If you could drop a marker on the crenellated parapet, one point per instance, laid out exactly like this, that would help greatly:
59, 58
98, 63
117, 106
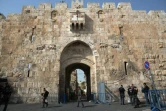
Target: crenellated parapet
122, 12
93, 5
14, 17
77, 4
157, 14
61, 6
28, 9
45, 6
123, 9
108, 5
124, 6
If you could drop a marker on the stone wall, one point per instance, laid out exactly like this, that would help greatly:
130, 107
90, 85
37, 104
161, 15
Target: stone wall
121, 39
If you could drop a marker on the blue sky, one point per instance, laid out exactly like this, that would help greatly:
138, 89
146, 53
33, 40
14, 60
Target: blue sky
80, 75
15, 6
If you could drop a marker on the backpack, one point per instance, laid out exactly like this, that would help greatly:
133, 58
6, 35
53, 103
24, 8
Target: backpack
46, 94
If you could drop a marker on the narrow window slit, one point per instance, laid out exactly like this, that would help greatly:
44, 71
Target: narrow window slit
125, 64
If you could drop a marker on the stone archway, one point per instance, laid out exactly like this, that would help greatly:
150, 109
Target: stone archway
86, 70
77, 54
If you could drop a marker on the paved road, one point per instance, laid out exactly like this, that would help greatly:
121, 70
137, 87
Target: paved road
72, 106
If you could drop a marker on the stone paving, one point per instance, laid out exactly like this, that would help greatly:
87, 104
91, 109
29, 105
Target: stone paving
72, 106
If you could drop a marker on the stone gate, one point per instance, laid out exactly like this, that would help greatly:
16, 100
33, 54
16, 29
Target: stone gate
40, 47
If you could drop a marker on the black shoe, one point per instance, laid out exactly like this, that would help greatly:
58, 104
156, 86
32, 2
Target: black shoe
77, 106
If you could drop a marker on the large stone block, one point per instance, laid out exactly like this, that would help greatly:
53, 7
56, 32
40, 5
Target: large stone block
45, 6
124, 6
164, 72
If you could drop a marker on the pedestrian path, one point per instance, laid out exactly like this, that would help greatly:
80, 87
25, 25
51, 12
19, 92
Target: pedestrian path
72, 106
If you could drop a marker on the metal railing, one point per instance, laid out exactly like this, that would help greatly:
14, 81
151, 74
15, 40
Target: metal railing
157, 99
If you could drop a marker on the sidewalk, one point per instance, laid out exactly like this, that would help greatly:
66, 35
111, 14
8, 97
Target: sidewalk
72, 106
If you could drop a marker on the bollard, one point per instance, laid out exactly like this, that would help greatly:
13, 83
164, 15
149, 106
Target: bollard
64, 98
92, 97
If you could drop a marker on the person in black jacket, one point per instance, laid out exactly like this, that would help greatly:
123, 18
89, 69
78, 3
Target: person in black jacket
145, 90
1, 93
129, 91
135, 97
79, 93
122, 94
45, 101
6, 95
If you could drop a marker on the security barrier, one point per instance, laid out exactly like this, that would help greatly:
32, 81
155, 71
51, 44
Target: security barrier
103, 98
157, 99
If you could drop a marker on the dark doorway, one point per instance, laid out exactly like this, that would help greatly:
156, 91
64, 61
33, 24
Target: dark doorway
72, 83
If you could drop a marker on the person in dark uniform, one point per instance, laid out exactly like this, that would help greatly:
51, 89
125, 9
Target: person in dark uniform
122, 94
45, 101
1, 93
6, 95
130, 94
136, 100
80, 97
145, 90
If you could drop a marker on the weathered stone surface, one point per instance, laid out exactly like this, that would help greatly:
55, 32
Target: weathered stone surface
39, 48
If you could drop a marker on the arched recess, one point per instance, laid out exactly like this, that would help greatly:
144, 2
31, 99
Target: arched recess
77, 54
86, 70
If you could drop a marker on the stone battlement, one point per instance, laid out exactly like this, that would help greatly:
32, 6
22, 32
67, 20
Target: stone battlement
122, 9
123, 6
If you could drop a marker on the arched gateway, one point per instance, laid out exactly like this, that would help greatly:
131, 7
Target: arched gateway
77, 55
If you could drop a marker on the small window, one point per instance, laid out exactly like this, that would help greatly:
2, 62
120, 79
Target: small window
81, 26
77, 26
72, 26
121, 30
28, 73
125, 64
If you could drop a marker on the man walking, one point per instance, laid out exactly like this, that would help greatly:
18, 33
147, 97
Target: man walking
80, 97
45, 101
122, 94
145, 90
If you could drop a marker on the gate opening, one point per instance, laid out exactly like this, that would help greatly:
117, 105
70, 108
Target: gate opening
77, 75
